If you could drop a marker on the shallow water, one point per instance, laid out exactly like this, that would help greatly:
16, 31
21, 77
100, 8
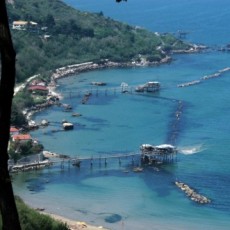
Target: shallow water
120, 123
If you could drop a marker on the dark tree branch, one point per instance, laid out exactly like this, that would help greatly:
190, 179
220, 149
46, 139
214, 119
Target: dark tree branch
8, 209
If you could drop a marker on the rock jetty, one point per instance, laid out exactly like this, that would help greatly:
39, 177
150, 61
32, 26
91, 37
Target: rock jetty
189, 83
192, 194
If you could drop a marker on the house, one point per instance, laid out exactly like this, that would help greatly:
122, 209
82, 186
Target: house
38, 88
19, 25
25, 25
22, 137
13, 131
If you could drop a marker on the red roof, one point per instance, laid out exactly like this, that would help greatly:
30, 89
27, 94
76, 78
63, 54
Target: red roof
13, 129
21, 137
38, 87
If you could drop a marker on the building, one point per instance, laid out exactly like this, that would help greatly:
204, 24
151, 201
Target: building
13, 131
38, 88
22, 137
25, 25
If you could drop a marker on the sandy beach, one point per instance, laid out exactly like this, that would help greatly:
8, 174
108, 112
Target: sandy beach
74, 224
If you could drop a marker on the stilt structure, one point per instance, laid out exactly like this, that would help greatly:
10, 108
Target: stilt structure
151, 154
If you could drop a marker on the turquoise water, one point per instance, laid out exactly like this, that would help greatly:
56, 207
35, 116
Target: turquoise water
120, 123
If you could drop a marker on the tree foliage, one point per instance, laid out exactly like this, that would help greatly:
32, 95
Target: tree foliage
71, 37
32, 220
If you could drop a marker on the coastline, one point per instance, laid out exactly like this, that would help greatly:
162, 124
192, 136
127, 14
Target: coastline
73, 224
76, 69
89, 66
67, 71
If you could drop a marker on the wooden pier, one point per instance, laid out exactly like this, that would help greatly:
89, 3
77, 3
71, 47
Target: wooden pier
132, 158
97, 91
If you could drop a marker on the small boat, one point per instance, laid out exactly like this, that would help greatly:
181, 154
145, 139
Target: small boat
137, 169
140, 89
76, 163
67, 108
67, 126
88, 94
76, 115
44, 123
98, 83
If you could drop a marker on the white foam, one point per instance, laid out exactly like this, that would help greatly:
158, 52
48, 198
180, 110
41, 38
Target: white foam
189, 150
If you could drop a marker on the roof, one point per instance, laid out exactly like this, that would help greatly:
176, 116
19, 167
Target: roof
38, 87
21, 137
165, 146
20, 22
13, 129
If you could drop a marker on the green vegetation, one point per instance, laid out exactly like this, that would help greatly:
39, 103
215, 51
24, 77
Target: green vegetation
23, 100
31, 219
66, 36
19, 149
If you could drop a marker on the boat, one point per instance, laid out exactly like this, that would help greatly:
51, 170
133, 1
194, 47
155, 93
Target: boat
137, 169
140, 89
44, 123
76, 115
67, 108
98, 83
67, 126
76, 163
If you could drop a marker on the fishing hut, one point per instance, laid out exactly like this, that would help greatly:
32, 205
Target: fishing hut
151, 154
151, 86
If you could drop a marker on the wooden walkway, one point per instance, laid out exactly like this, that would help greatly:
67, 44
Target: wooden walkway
132, 158
102, 91
96, 158
129, 159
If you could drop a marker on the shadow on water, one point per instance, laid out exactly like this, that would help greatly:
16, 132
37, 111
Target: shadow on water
36, 185
160, 181
176, 125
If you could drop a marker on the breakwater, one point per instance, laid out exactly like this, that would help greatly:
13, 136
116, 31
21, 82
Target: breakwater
192, 194
219, 73
175, 124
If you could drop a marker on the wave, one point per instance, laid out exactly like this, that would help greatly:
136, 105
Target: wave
189, 150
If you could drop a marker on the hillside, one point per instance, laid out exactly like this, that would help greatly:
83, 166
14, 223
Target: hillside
55, 35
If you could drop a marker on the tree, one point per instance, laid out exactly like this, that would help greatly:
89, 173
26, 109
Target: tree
50, 22
8, 208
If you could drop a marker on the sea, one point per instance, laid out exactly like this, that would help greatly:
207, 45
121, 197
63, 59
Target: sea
105, 191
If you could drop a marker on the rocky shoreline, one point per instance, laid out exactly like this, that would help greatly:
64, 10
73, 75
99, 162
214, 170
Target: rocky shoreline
90, 66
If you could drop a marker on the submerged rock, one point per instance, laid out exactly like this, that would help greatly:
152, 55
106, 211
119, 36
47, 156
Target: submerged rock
113, 218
